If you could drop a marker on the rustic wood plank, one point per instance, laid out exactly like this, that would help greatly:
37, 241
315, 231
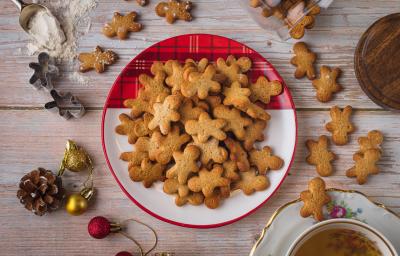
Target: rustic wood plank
344, 21
36, 138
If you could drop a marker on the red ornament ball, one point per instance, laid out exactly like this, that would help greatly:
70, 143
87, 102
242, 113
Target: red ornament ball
124, 253
99, 227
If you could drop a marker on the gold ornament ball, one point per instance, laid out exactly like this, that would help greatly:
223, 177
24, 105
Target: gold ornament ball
76, 204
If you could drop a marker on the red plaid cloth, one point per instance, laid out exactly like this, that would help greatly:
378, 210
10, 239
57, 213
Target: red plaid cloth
194, 46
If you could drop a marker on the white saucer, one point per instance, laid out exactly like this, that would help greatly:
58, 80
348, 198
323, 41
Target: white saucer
286, 224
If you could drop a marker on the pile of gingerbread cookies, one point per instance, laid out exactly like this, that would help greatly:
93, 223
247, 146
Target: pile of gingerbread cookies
297, 15
194, 126
121, 25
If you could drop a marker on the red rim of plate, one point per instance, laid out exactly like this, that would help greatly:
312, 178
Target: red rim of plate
175, 222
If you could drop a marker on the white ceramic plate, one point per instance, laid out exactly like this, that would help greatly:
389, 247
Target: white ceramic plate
280, 133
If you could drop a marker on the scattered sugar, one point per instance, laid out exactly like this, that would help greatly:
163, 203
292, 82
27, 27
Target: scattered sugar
78, 78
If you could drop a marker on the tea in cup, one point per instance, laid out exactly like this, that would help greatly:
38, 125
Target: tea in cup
341, 237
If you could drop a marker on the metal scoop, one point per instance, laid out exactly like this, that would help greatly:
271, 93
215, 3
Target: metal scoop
27, 12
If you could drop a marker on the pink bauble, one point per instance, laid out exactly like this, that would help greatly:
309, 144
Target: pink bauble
99, 227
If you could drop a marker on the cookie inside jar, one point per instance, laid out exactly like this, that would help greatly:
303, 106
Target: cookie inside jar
289, 18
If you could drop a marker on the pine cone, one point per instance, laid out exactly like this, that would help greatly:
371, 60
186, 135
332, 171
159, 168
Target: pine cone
41, 191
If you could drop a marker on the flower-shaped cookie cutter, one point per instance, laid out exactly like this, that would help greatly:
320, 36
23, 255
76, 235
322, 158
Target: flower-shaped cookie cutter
66, 105
43, 72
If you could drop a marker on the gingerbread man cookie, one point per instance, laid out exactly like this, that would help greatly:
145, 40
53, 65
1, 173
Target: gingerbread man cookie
263, 89
313, 11
192, 198
188, 111
206, 127
165, 113
314, 199
200, 84
235, 122
264, 160
255, 111
213, 201
372, 141
207, 181
250, 182
237, 154
320, 156
159, 66
127, 127
140, 104
326, 84
231, 170
340, 126
160, 148
133, 128
142, 126
184, 196
298, 29
213, 101
232, 71
210, 150
174, 10
253, 133
365, 165
154, 87
236, 96
243, 62
175, 75
200, 65
304, 60
96, 60
147, 173
185, 164
121, 25
172, 186
134, 157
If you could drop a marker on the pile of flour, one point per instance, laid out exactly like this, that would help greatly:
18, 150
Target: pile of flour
74, 20
46, 30
71, 21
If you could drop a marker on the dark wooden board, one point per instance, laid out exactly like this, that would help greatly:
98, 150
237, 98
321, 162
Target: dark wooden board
377, 62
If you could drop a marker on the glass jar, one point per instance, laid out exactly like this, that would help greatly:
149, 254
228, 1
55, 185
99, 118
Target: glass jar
289, 18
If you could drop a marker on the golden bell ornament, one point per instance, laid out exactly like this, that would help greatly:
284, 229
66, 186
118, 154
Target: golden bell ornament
75, 159
77, 204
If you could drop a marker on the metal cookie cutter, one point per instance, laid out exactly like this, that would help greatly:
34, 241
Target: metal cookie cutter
66, 105
43, 72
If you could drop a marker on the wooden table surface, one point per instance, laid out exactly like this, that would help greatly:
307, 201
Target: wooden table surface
31, 137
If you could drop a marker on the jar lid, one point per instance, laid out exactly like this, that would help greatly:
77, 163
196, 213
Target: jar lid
377, 62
